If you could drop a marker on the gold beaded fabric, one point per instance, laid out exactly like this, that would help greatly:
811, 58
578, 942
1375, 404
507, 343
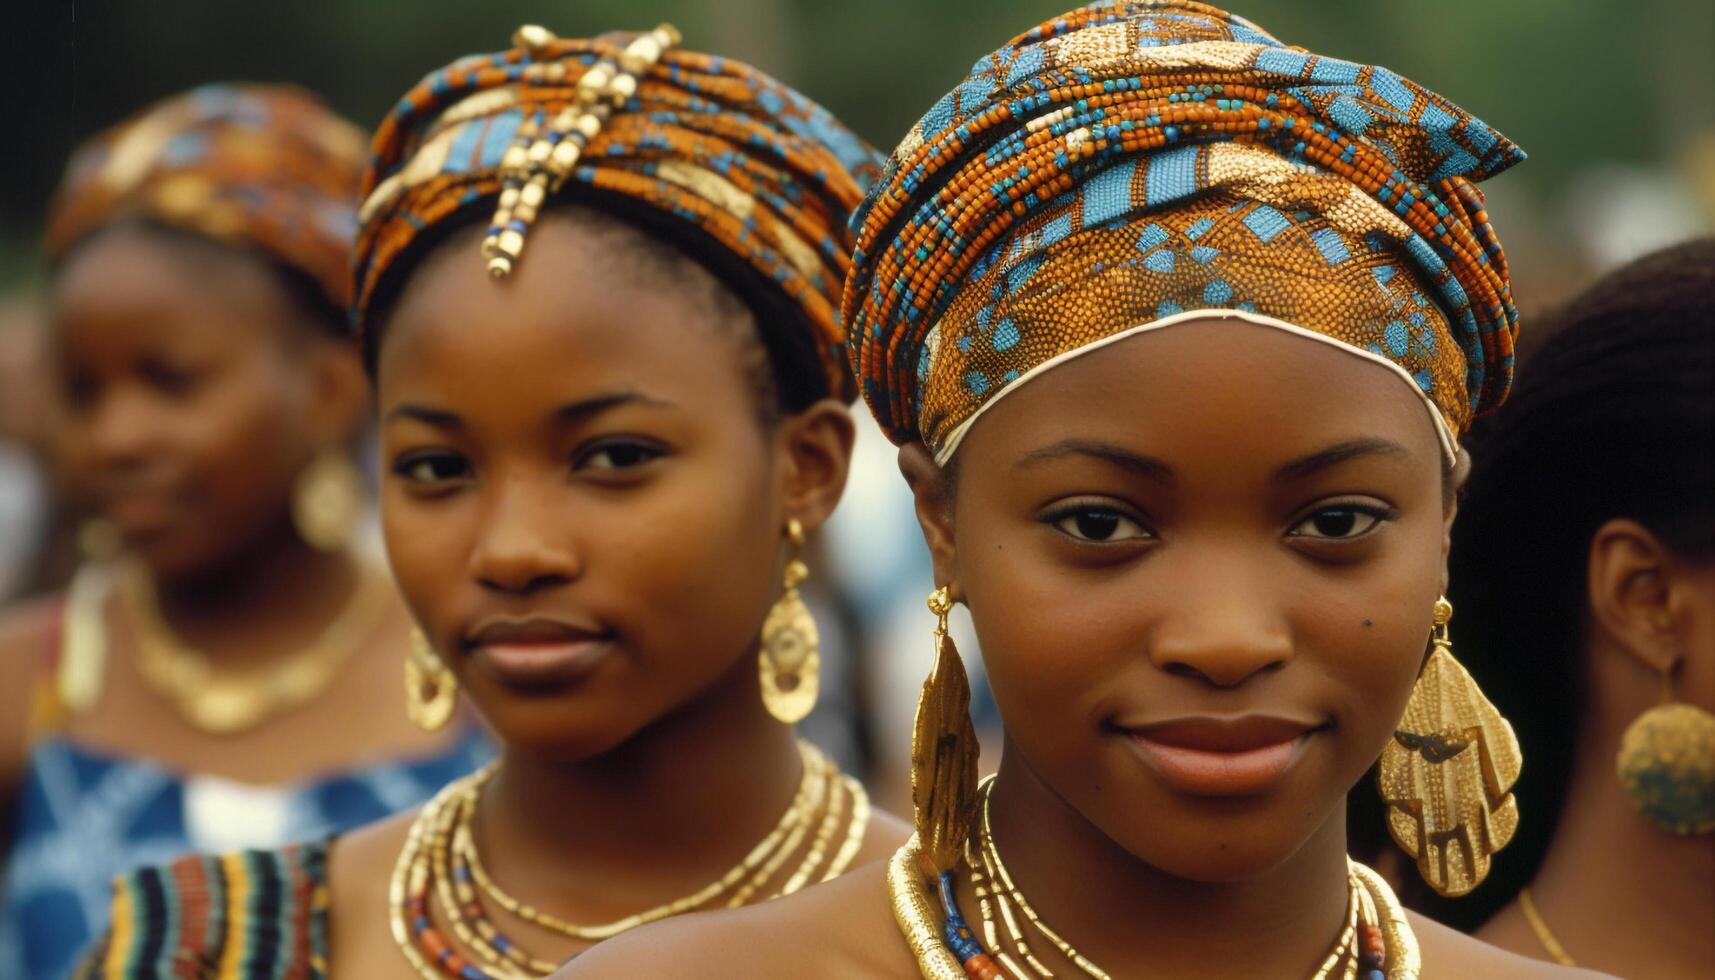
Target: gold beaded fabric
263, 166
768, 175
1126, 164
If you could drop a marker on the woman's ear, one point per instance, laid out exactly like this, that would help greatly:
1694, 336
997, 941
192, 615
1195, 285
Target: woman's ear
1631, 591
339, 393
816, 445
932, 492
1455, 479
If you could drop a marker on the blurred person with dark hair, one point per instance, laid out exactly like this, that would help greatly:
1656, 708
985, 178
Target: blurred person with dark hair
212, 677
1584, 562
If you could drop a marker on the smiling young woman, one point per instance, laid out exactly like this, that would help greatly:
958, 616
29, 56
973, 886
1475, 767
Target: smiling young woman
211, 685
597, 283
1176, 328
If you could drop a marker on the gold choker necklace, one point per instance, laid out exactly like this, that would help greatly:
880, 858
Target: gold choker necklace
440, 866
222, 703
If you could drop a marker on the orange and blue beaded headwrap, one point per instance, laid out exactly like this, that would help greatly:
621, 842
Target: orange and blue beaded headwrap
265, 166
701, 142
1130, 166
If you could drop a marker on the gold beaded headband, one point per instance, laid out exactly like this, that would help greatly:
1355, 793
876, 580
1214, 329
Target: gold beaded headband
540, 159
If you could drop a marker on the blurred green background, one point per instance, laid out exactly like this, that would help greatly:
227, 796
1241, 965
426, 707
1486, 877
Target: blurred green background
1614, 102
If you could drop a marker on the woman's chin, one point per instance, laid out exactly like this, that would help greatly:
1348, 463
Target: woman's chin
561, 729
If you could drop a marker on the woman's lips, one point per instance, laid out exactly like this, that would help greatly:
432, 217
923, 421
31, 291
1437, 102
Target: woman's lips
1221, 757
538, 653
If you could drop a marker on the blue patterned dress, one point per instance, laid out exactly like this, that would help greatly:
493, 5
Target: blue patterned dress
82, 817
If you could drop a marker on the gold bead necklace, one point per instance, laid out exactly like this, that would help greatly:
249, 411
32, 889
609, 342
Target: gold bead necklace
441, 858
1374, 936
223, 703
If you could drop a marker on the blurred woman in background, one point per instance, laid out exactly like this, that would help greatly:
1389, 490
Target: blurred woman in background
1584, 561
227, 674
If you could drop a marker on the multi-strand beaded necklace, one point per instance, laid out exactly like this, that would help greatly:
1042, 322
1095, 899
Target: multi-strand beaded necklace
440, 873
1376, 942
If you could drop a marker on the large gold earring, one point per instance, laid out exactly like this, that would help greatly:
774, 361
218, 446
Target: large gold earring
790, 661
431, 690
1667, 764
1447, 774
326, 501
943, 751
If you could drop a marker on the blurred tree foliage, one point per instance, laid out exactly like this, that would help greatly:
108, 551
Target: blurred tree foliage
1576, 82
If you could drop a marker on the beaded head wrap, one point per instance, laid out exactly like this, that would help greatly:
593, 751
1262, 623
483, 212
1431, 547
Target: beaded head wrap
266, 166
693, 145
1129, 166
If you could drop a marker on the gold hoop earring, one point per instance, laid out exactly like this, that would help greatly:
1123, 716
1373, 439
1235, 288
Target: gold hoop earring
1666, 764
1447, 774
431, 690
944, 751
790, 659
326, 501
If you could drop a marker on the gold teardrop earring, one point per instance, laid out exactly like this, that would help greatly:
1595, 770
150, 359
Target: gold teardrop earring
1447, 774
431, 690
326, 501
944, 751
790, 660
1666, 764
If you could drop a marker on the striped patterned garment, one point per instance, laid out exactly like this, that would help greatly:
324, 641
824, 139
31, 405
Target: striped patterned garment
253, 914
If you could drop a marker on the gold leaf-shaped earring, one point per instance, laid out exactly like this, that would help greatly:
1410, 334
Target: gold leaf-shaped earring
1447, 774
943, 751
790, 661
431, 690
1667, 764
327, 500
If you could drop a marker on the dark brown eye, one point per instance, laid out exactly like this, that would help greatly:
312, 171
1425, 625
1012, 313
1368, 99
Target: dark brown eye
1337, 523
619, 456
429, 469
1098, 525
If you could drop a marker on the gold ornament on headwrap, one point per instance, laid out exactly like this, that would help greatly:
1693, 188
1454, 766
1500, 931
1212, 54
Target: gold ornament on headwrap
1447, 774
741, 172
541, 158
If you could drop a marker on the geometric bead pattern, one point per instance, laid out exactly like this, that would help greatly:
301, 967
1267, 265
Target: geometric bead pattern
1128, 161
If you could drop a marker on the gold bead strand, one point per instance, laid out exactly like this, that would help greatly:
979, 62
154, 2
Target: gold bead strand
854, 830
539, 162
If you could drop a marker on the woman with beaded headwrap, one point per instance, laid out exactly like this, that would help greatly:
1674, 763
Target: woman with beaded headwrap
206, 682
597, 286
1177, 328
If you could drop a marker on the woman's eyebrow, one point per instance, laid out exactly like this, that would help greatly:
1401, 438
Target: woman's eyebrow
570, 412
585, 408
1107, 452
424, 413
1341, 452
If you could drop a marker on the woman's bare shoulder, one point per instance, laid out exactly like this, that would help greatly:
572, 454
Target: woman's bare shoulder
1451, 955
842, 928
359, 874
